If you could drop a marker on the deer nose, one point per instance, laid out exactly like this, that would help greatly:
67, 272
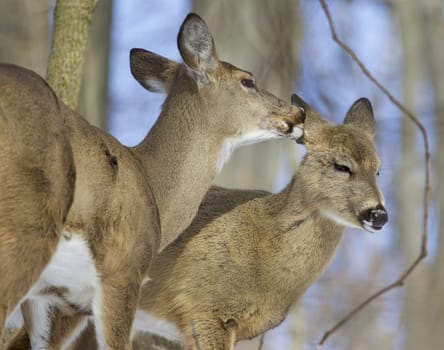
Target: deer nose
374, 219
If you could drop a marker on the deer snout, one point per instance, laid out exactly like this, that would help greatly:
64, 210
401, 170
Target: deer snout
292, 124
374, 219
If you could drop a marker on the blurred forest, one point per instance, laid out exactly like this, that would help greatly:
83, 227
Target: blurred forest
287, 45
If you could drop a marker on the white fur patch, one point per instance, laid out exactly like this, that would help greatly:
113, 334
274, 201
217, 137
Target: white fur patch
298, 131
340, 220
72, 268
145, 322
369, 227
251, 137
154, 85
98, 324
15, 320
41, 324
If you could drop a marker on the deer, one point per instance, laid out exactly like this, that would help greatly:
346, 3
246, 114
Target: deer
248, 256
37, 181
117, 207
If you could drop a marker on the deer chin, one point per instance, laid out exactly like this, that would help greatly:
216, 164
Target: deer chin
369, 227
298, 133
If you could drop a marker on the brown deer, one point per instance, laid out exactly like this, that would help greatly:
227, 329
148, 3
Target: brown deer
128, 203
248, 256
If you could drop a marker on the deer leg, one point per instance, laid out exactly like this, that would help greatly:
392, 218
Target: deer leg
23, 256
46, 327
210, 334
86, 340
37, 319
32, 213
66, 329
114, 312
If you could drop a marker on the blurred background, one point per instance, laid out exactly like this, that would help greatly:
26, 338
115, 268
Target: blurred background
287, 45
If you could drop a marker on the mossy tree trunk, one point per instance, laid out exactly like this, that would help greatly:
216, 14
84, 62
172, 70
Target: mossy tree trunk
72, 19
93, 99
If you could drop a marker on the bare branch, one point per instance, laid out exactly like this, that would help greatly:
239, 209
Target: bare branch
261, 342
426, 197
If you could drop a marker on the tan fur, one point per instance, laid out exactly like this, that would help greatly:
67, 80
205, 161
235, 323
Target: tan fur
248, 256
128, 202
37, 175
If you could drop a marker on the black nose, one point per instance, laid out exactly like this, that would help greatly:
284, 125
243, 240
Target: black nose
376, 217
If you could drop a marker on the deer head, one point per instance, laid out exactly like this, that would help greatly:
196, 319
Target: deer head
211, 108
346, 164
241, 111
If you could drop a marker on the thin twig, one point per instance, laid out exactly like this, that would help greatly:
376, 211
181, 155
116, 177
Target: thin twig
426, 197
261, 342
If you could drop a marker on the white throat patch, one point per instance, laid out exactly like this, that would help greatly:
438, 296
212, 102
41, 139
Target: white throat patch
232, 143
341, 221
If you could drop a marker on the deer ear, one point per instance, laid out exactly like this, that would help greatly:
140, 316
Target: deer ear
196, 46
313, 124
361, 116
154, 72
299, 102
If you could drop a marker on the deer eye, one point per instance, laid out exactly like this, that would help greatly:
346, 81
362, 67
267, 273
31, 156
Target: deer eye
248, 83
342, 168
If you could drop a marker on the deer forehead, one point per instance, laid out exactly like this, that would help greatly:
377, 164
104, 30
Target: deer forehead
353, 147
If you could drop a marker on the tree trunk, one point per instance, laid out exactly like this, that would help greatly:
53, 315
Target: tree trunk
94, 88
428, 314
262, 37
72, 19
408, 180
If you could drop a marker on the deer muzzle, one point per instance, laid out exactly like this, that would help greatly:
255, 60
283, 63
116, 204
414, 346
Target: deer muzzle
374, 219
292, 124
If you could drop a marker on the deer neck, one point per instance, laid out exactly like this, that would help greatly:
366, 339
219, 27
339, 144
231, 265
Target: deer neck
296, 206
180, 159
291, 206
306, 240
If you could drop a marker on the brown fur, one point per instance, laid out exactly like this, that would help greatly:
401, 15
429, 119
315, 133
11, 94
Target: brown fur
37, 175
128, 202
248, 255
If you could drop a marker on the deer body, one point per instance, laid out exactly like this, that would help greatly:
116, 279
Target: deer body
129, 203
261, 269
249, 256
